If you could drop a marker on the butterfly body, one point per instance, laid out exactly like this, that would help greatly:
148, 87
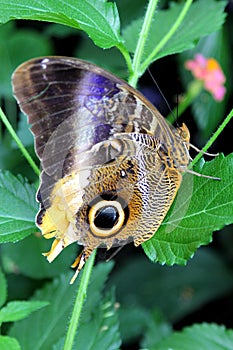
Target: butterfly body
111, 165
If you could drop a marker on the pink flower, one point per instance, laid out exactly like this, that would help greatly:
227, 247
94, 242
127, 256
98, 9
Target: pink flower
209, 71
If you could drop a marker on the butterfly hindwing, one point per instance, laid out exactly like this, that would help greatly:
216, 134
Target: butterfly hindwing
111, 165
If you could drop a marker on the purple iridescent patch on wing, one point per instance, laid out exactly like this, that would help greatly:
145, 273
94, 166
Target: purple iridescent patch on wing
97, 93
96, 88
102, 86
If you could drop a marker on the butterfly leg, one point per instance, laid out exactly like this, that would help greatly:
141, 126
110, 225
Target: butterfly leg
80, 262
57, 246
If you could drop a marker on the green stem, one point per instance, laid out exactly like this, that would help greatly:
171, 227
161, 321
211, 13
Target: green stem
142, 41
168, 36
19, 143
127, 57
194, 89
80, 298
213, 137
82, 291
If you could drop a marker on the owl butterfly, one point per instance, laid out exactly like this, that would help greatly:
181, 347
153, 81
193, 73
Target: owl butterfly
111, 164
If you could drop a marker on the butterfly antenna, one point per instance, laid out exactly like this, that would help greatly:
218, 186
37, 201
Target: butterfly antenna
115, 253
161, 93
177, 106
200, 151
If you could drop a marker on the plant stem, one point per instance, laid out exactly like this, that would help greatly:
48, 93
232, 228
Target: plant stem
80, 298
213, 137
134, 74
168, 36
127, 57
19, 143
141, 42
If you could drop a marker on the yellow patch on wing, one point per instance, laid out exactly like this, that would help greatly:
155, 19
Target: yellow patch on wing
60, 218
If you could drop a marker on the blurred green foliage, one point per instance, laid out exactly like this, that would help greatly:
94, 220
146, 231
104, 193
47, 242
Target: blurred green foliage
150, 299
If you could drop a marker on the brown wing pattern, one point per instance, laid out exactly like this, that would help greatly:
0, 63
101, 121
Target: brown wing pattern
53, 90
110, 163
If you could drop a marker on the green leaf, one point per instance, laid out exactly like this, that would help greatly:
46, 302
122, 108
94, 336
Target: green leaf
133, 320
12, 40
129, 10
24, 132
8, 343
201, 207
18, 208
102, 331
34, 264
115, 62
51, 321
175, 291
136, 321
202, 18
157, 330
17, 310
3, 288
99, 19
203, 336
59, 345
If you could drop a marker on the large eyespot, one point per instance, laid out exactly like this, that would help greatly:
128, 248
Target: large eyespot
106, 217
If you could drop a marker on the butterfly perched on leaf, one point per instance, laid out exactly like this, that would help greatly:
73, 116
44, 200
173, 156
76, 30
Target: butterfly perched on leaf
111, 164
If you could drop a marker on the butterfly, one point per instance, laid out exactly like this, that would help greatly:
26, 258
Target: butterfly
111, 164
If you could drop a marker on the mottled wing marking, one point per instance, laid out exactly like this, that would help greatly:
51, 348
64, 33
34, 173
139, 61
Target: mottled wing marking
97, 137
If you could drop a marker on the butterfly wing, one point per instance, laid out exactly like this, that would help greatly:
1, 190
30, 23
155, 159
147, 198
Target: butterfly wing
72, 106
102, 145
93, 103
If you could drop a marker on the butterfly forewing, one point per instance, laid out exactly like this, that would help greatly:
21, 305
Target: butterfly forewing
110, 163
